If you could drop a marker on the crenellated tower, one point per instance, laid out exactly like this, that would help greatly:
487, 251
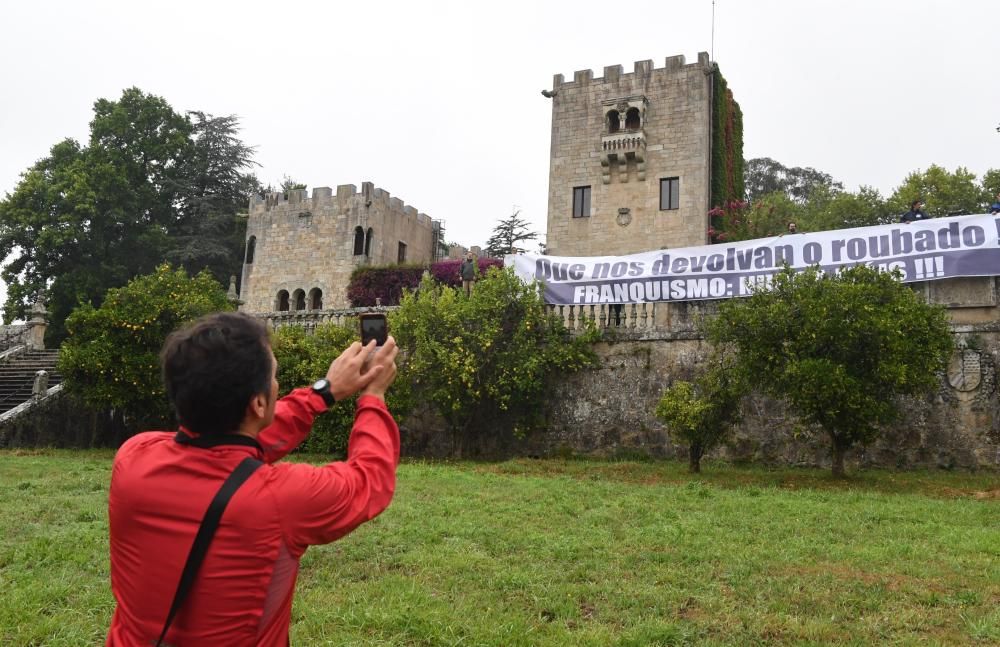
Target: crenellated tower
302, 249
631, 158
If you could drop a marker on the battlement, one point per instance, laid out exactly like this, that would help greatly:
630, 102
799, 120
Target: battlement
340, 199
614, 73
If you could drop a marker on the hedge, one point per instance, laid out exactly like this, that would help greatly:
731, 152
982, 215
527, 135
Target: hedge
388, 282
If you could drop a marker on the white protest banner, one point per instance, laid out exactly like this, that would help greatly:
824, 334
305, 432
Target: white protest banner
922, 251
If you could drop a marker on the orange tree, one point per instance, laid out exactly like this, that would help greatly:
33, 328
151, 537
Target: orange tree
485, 362
111, 356
304, 357
838, 348
700, 413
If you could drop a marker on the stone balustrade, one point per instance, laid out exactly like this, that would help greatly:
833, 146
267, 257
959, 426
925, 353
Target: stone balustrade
310, 319
13, 336
639, 319
630, 316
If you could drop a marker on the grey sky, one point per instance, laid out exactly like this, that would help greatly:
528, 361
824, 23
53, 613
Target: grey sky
439, 102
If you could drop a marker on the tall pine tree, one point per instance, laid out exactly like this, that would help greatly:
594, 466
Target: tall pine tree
507, 234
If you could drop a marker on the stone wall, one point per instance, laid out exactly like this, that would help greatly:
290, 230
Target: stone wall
302, 242
608, 411
58, 421
623, 168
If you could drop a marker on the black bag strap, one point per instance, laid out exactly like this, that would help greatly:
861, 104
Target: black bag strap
206, 531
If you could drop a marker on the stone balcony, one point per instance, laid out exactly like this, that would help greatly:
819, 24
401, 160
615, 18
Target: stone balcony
619, 147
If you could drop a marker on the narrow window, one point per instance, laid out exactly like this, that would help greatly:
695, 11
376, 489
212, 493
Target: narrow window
359, 241
299, 297
632, 119
401, 257
281, 303
368, 242
581, 202
614, 121
315, 299
251, 248
670, 191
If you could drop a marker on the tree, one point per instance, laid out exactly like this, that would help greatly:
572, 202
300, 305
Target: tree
838, 348
991, 184
507, 234
111, 356
763, 175
702, 412
485, 362
214, 187
48, 225
290, 184
304, 357
829, 209
149, 185
765, 217
943, 192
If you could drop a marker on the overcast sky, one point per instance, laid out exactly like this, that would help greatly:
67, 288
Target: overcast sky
439, 102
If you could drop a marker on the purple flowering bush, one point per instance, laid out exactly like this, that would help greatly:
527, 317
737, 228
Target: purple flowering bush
446, 272
388, 283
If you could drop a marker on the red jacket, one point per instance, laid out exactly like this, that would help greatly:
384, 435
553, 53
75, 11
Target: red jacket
160, 489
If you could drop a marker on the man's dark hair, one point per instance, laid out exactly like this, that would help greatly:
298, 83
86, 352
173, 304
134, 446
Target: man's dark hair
213, 367
913, 205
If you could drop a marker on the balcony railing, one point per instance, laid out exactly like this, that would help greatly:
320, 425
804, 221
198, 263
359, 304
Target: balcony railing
624, 142
620, 147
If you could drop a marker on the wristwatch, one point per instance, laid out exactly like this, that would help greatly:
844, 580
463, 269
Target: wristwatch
322, 388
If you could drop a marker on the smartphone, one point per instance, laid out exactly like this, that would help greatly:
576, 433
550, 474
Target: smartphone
374, 326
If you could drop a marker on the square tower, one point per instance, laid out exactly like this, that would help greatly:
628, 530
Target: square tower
631, 157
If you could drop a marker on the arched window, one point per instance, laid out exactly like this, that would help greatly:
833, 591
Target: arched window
251, 247
315, 299
359, 241
368, 242
632, 120
281, 303
614, 122
299, 299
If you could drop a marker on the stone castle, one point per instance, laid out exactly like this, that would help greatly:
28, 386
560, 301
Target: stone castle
630, 171
301, 249
630, 166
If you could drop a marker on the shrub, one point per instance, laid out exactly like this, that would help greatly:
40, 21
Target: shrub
386, 283
111, 357
446, 272
700, 414
303, 358
484, 362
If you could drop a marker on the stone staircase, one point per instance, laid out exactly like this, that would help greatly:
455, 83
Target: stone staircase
17, 376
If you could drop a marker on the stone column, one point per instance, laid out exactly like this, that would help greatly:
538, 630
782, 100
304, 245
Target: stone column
231, 294
41, 385
36, 326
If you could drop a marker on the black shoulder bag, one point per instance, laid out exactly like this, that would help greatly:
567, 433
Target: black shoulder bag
205, 533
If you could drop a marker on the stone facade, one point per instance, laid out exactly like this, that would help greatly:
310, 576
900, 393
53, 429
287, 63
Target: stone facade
620, 135
301, 250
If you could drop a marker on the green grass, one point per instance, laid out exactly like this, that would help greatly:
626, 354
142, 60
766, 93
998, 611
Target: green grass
570, 553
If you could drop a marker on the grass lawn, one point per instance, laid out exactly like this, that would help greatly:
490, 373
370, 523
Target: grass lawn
570, 553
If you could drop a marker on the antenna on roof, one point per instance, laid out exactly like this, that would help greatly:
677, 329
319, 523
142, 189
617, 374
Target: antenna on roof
712, 55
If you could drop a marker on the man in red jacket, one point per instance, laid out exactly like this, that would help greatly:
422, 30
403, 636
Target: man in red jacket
220, 376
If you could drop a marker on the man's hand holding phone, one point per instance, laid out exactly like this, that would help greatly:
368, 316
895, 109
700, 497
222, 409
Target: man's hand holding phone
363, 368
383, 362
